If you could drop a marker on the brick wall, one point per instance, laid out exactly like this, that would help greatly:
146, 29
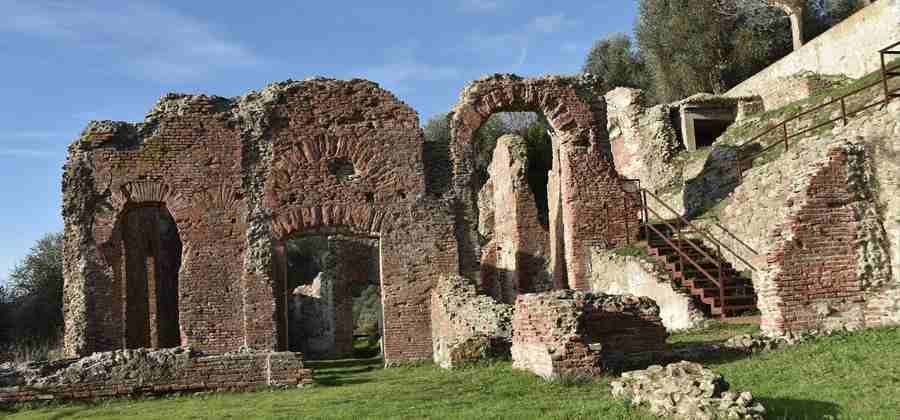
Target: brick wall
570, 333
240, 176
829, 263
137, 372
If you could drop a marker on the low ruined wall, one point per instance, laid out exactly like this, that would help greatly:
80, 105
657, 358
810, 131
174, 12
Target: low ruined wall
465, 326
569, 333
132, 372
849, 48
620, 275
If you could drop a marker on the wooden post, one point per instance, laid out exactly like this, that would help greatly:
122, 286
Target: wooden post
721, 279
844, 111
884, 79
784, 127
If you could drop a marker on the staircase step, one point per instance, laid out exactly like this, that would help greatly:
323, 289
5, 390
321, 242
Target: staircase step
739, 294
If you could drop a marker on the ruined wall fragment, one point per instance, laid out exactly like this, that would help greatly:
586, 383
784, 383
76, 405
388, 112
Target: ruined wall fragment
517, 256
620, 275
830, 266
465, 326
141, 371
644, 141
569, 333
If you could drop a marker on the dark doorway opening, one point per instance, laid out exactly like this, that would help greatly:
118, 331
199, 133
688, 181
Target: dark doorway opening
707, 131
152, 248
334, 296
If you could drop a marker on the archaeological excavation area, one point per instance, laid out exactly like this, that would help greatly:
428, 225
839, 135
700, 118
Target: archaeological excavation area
222, 243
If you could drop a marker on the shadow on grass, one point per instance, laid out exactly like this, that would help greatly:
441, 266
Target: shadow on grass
793, 409
343, 372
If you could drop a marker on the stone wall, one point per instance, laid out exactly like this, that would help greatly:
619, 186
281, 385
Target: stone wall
465, 326
139, 372
625, 275
241, 176
785, 90
839, 186
644, 141
849, 48
567, 333
593, 204
517, 257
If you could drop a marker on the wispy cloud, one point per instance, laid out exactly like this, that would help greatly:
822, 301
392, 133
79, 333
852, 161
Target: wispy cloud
402, 66
551, 23
149, 41
480, 6
515, 44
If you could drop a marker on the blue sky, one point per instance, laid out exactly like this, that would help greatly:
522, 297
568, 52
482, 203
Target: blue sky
63, 63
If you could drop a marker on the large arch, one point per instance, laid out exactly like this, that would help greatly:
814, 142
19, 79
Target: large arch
347, 156
585, 186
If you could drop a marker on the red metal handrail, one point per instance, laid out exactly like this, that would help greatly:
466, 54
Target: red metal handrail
886, 74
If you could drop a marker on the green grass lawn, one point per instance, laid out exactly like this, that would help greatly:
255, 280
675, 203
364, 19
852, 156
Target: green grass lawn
850, 376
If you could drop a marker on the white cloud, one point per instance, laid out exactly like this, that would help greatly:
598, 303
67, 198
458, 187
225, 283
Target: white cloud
550, 23
149, 41
480, 5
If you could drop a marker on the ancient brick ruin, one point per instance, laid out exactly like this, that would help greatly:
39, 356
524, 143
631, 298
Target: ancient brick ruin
829, 268
179, 231
176, 227
240, 177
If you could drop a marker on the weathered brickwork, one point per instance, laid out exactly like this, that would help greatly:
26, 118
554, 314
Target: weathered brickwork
516, 259
830, 260
465, 326
140, 372
241, 176
570, 333
593, 206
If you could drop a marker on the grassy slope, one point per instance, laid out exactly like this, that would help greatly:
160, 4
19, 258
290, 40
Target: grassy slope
852, 376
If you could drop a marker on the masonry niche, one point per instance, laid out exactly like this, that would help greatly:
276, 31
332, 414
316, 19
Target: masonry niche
333, 290
151, 247
703, 123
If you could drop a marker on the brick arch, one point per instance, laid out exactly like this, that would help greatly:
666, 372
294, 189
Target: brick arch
359, 219
110, 235
586, 180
